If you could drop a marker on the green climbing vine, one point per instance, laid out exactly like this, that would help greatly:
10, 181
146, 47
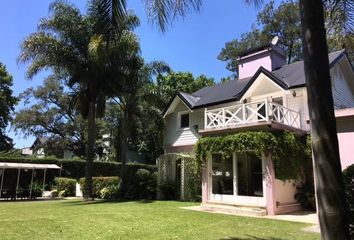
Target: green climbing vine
289, 151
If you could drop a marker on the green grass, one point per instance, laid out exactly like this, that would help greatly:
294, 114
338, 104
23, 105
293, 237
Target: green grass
68, 219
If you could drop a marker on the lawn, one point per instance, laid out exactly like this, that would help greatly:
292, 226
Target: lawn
70, 219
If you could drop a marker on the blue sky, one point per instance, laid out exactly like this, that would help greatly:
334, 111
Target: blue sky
191, 44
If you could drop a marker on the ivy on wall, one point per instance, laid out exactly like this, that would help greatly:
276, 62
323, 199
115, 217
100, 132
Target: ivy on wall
289, 151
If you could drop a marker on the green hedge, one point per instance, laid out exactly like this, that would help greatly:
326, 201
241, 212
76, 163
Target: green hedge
76, 168
65, 186
70, 169
99, 183
141, 185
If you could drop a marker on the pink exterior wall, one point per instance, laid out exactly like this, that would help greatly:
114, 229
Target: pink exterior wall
346, 150
249, 66
345, 129
179, 149
270, 58
285, 192
270, 186
205, 194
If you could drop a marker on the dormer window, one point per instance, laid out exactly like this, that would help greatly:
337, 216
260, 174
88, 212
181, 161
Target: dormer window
183, 120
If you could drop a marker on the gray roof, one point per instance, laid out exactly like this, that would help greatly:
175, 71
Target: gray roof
288, 76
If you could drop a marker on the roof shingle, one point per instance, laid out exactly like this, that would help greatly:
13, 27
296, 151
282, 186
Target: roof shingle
292, 75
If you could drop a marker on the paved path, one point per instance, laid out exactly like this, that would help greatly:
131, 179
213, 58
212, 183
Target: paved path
304, 217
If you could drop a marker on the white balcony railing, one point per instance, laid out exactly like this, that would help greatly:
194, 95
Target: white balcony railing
255, 112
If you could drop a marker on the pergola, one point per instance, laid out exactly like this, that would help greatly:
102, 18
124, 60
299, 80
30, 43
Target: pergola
24, 166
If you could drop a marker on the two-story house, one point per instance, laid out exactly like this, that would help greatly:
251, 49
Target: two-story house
269, 95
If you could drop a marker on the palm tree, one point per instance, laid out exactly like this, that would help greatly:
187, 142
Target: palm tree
329, 186
123, 72
75, 45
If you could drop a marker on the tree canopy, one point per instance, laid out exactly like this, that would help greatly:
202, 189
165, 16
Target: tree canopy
283, 22
7, 102
50, 111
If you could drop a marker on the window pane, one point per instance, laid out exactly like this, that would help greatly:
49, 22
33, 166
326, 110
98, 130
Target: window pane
222, 175
184, 120
249, 175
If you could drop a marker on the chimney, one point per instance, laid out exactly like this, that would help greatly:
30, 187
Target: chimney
270, 57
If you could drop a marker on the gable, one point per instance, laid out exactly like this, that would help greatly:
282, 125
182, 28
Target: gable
262, 85
263, 82
177, 104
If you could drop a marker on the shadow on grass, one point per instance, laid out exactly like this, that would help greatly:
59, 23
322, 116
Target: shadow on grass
102, 201
250, 237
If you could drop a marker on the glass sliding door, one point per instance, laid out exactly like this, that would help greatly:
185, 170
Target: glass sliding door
237, 179
222, 175
249, 175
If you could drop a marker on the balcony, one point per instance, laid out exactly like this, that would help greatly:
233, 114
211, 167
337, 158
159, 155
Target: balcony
251, 116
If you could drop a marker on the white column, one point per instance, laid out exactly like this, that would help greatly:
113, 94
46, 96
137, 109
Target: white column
266, 109
182, 178
2, 180
30, 195
243, 113
18, 181
45, 173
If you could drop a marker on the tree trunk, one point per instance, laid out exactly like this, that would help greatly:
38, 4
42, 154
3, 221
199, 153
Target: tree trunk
91, 120
124, 148
327, 168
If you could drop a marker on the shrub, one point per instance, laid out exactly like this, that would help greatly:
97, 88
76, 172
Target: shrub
142, 185
37, 190
348, 179
99, 183
73, 168
65, 186
110, 192
168, 190
306, 195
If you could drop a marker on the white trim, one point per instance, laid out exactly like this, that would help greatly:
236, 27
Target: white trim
173, 105
235, 198
256, 84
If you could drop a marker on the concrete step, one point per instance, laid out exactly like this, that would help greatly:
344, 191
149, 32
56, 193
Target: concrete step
233, 209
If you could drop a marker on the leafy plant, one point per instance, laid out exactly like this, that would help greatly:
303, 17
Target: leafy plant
37, 190
142, 185
288, 150
168, 190
306, 195
99, 183
348, 179
110, 192
75, 168
65, 186
193, 181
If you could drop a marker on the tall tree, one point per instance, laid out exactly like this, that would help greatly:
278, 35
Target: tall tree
339, 23
162, 85
50, 111
283, 21
7, 102
166, 86
75, 45
327, 168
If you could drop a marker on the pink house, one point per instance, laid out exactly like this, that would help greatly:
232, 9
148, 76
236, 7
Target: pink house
269, 95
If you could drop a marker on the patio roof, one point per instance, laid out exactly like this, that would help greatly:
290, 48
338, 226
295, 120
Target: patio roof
8, 165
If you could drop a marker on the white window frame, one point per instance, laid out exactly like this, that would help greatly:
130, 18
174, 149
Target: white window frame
236, 199
179, 120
